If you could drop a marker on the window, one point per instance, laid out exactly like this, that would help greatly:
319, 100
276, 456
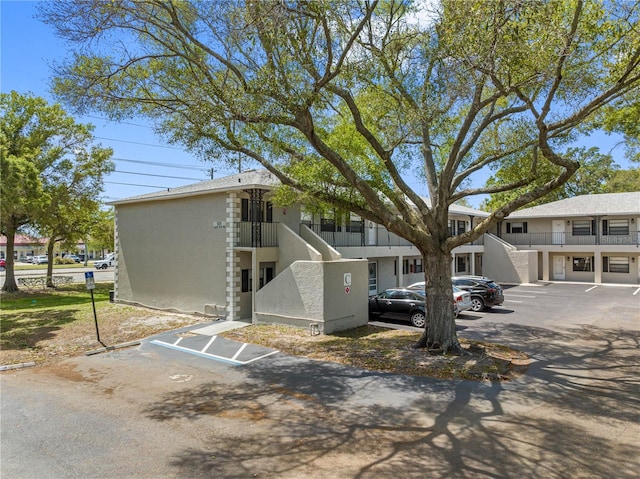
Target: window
306, 217
615, 264
615, 227
266, 275
582, 228
462, 227
246, 280
461, 264
417, 266
452, 227
244, 214
517, 227
405, 266
269, 212
583, 263
259, 211
355, 226
327, 224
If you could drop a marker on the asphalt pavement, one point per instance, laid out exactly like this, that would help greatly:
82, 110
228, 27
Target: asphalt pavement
100, 275
154, 411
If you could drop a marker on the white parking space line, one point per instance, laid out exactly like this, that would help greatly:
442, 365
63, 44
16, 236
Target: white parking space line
587, 290
213, 338
512, 301
519, 296
532, 292
223, 359
239, 351
636, 291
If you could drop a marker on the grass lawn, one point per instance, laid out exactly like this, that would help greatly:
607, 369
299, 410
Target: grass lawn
48, 326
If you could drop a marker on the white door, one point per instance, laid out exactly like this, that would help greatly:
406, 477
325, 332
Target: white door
558, 267
557, 232
373, 279
372, 236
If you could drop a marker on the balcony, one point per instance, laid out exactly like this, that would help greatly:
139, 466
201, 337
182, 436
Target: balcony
533, 239
256, 235
345, 236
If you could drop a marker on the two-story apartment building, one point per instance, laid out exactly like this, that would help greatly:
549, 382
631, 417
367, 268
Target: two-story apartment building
590, 238
234, 254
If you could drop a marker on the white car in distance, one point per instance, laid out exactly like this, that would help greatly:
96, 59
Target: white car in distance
461, 299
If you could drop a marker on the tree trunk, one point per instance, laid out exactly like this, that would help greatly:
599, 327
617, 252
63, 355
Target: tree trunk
440, 330
50, 246
10, 285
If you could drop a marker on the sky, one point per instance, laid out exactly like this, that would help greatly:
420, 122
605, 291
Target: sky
144, 163
28, 47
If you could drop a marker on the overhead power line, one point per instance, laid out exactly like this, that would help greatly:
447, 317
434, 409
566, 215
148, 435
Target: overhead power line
138, 143
168, 165
118, 122
143, 186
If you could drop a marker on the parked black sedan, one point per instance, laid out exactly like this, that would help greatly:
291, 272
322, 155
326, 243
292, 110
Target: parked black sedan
398, 303
485, 292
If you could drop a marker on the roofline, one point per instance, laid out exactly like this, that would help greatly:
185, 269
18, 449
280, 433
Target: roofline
187, 194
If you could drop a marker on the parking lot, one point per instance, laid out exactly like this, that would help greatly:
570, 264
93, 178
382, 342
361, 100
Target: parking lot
557, 305
169, 409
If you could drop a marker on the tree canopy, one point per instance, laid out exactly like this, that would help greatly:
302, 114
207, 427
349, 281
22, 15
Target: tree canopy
595, 172
346, 100
51, 173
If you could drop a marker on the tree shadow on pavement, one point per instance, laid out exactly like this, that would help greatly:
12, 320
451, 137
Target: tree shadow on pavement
575, 414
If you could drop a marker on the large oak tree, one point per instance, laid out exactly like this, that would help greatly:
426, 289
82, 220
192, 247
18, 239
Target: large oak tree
344, 101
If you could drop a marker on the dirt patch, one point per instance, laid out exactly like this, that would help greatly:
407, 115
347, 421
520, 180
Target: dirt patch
387, 350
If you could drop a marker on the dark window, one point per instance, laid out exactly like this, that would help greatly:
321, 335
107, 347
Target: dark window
462, 227
615, 264
461, 263
618, 227
583, 263
266, 275
452, 227
405, 266
244, 216
355, 226
417, 266
517, 227
246, 280
269, 212
327, 224
581, 227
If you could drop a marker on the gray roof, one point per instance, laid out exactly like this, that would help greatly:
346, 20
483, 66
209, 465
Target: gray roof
605, 204
241, 181
459, 209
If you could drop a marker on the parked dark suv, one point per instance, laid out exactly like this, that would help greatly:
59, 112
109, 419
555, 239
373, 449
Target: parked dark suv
485, 292
398, 303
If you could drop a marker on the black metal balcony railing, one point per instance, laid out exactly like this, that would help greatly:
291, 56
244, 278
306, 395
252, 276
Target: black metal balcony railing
256, 235
531, 239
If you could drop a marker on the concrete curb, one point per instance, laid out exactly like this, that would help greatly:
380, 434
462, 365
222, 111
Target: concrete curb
17, 366
112, 348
